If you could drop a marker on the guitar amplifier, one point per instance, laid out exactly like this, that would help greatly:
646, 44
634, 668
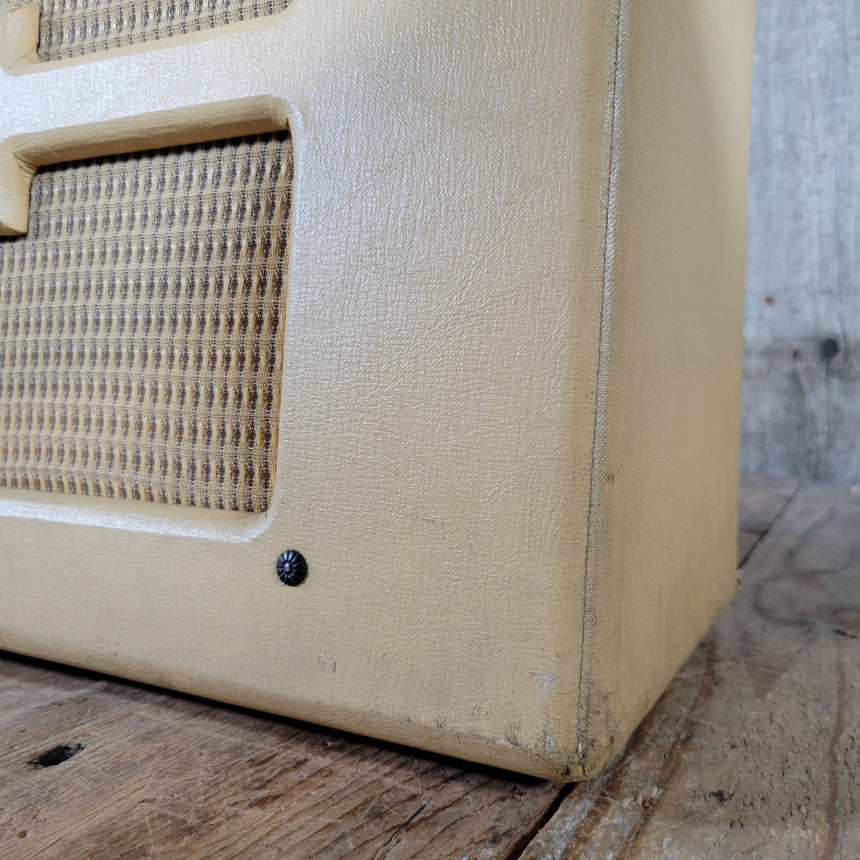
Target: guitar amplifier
375, 363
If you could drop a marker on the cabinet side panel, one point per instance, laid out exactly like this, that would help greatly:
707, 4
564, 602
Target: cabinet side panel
664, 488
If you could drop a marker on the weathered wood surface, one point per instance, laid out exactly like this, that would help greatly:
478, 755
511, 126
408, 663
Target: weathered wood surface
801, 365
172, 777
761, 500
754, 750
751, 752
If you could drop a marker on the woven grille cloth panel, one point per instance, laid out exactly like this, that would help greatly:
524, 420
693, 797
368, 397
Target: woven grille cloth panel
141, 326
70, 28
142, 316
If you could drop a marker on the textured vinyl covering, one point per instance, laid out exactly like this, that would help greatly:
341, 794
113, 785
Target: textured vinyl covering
72, 28
512, 365
141, 342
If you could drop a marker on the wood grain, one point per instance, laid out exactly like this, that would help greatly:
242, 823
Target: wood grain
753, 750
801, 368
168, 776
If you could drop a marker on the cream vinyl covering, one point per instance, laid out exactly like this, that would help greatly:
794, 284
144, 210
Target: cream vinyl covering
508, 415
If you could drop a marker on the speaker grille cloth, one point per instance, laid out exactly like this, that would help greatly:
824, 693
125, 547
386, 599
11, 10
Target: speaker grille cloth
141, 326
142, 316
70, 28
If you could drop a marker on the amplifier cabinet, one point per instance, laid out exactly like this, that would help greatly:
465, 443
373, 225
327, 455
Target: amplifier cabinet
376, 363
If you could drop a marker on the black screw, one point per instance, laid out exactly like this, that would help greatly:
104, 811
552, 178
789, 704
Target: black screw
291, 567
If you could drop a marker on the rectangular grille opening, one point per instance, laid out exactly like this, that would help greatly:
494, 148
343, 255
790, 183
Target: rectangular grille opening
142, 325
73, 28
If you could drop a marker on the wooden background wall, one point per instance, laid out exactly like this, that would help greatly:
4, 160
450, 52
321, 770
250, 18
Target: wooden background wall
802, 358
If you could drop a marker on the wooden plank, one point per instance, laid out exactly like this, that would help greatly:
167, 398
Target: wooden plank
162, 775
754, 750
801, 370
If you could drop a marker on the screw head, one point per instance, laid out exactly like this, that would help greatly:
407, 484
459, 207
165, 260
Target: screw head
291, 567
